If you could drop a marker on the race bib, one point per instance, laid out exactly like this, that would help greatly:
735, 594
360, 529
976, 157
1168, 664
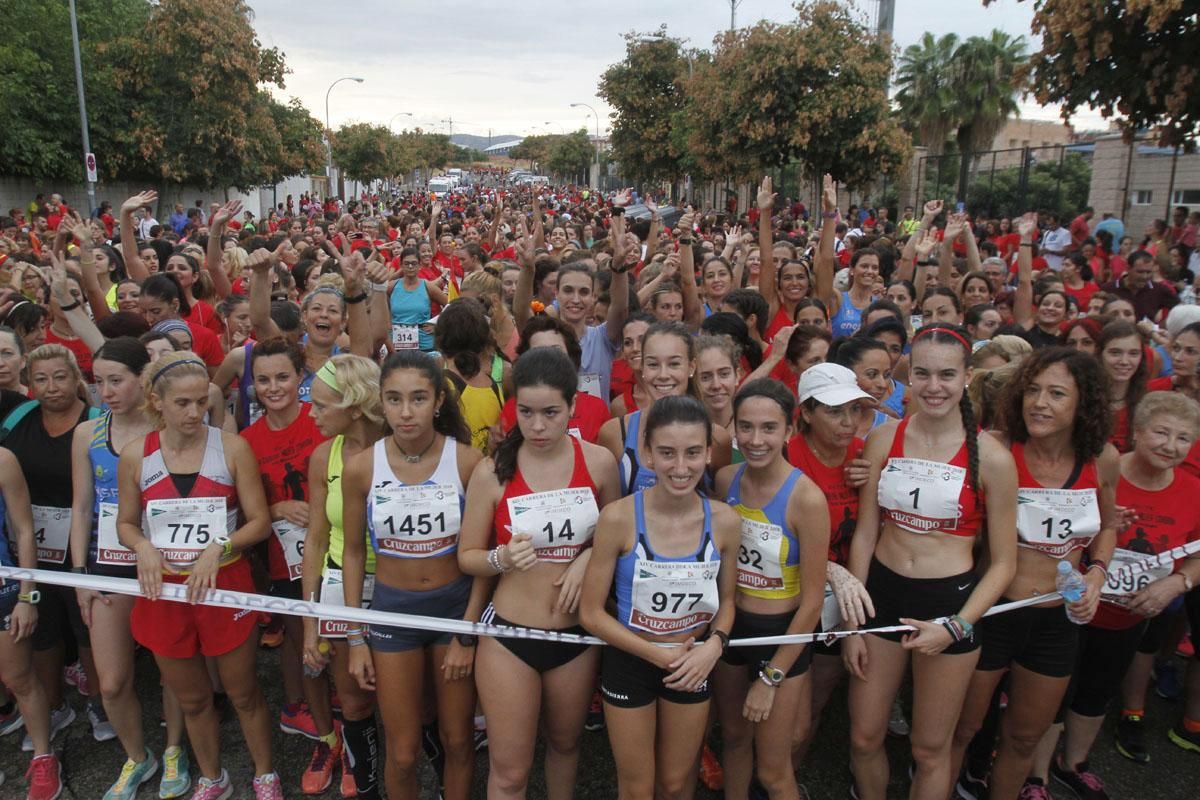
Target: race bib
589, 382
921, 496
333, 594
1057, 521
182, 527
52, 532
759, 565
291, 539
560, 522
109, 549
1124, 585
406, 337
672, 596
415, 521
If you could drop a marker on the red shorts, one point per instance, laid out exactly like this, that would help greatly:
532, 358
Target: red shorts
181, 630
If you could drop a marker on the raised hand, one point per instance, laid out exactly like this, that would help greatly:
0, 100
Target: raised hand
145, 198
766, 194
932, 209
623, 198
829, 202
927, 244
226, 213
1027, 225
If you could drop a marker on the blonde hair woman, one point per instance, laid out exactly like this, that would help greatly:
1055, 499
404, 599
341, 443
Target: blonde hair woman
489, 290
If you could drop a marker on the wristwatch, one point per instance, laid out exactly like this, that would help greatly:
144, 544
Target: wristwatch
226, 545
466, 639
33, 598
772, 675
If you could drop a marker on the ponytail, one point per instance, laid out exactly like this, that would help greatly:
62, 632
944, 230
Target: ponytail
971, 432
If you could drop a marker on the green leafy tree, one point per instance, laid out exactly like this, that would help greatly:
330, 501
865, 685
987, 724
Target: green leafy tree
571, 155
533, 149
926, 90
1133, 60
1048, 186
302, 147
647, 91
364, 152
774, 95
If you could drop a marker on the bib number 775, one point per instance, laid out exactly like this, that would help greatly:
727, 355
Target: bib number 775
181, 532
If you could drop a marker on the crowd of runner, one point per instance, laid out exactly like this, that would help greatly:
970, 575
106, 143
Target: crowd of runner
522, 406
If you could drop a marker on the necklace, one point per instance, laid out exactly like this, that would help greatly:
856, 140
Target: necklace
417, 458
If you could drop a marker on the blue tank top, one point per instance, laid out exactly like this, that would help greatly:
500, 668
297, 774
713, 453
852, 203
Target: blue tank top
847, 320
5, 548
103, 461
787, 554
634, 477
412, 308
880, 418
628, 571
895, 400
307, 375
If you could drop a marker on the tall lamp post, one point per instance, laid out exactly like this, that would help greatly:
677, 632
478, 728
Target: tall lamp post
89, 160
328, 141
399, 114
597, 118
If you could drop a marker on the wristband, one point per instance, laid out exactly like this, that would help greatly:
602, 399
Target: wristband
71, 307
682, 240
356, 641
356, 299
831, 214
1187, 582
1026, 244
377, 287
1099, 563
724, 637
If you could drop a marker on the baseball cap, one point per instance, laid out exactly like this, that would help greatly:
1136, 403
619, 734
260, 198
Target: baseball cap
831, 385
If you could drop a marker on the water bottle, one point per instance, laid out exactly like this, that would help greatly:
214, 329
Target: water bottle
1070, 585
315, 672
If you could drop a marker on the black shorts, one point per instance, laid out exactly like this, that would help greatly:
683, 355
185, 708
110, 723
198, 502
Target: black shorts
747, 625
1158, 628
108, 570
1040, 639
446, 602
896, 596
1192, 604
627, 681
539, 654
9, 590
288, 589
59, 620
1104, 656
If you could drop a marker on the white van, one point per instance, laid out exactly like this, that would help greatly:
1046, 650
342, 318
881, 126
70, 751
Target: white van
440, 187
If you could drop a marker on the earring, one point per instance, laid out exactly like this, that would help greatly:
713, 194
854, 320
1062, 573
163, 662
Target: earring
437, 413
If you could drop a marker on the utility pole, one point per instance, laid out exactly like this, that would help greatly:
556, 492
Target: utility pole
733, 7
450, 121
88, 159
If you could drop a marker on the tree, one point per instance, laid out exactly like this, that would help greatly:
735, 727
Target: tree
365, 152
967, 89
533, 149
301, 138
1048, 186
1134, 60
777, 94
647, 91
571, 155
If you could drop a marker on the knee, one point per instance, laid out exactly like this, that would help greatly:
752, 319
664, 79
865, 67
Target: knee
508, 779
114, 687
356, 706
193, 704
670, 786
964, 732
1021, 743
865, 742
402, 755
776, 778
563, 744
458, 742
245, 699
930, 754
802, 731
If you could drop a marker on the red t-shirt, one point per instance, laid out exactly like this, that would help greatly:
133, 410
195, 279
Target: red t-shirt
590, 414
1166, 518
841, 499
283, 461
206, 344
1083, 294
781, 320
202, 314
83, 356
622, 379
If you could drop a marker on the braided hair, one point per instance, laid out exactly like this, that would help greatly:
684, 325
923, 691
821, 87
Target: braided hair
957, 336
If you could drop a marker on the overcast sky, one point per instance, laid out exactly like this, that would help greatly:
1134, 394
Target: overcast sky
514, 67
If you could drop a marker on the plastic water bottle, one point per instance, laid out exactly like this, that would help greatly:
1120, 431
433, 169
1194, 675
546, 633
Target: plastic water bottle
1070, 585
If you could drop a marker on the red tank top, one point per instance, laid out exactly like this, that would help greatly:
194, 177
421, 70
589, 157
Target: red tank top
213, 480
841, 499
923, 496
1056, 520
517, 487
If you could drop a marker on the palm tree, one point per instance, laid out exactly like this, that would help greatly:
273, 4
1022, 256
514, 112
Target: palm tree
927, 91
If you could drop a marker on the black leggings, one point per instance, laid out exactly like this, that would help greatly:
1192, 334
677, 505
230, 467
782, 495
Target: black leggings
1104, 657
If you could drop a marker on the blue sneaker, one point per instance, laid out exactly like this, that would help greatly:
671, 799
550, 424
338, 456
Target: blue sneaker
176, 777
1166, 680
132, 776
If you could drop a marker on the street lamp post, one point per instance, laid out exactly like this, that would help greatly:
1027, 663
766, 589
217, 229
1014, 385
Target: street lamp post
83, 120
399, 114
328, 141
597, 118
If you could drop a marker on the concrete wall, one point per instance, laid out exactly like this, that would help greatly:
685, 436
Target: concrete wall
1149, 170
1018, 133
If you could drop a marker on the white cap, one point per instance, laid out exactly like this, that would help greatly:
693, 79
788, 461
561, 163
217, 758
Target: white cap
831, 385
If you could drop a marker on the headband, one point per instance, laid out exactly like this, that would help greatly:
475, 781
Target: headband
174, 364
328, 290
327, 374
168, 325
947, 331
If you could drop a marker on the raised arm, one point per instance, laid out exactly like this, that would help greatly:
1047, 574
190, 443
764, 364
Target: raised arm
494, 228
354, 271
1023, 299
907, 268
259, 264
435, 211
378, 275
955, 226
538, 224
693, 307
95, 286
618, 289
134, 266
214, 262
73, 309
525, 257
766, 246
826, 263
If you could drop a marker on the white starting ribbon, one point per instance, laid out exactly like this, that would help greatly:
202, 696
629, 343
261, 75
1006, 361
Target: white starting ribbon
227, 598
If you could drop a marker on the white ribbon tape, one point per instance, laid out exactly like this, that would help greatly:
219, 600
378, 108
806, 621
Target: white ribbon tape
226, 598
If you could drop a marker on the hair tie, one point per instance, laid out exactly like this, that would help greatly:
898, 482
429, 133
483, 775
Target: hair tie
174, 364
947, 331
328, 375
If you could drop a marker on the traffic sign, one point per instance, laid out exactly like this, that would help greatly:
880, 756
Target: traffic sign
89, 164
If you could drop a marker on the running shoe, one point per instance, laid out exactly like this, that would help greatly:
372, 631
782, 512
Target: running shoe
1034, 791
60, 718
897, 724
712, 774
272, 635
431, 743
12, 721
132, 776
219, 789
969, 787
595, 715
176, 777
45, 778
1085, 784
335, 703
1166, 680
1186, 648
318, 775
1182, 737
102, 729
295, 718
267, 787
75, 676
349, 787
1131, 738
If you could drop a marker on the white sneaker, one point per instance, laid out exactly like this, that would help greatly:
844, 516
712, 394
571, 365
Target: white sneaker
60, 718
102, 729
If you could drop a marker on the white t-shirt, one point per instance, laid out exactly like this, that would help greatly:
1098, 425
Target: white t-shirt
1057, 239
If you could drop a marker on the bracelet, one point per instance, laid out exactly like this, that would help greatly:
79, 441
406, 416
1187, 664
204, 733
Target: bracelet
831, 214
1026, 244
724, 637
1100, 564
358, 298
762, 676
494, 561
356, 641
685, 241
377, 287
71, 307
1187, 582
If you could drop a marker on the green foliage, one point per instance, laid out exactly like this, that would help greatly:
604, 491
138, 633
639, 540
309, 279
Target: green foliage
571, 155
647, 91
364, 151
532, 149
776, 94
1049, 187
1134, 60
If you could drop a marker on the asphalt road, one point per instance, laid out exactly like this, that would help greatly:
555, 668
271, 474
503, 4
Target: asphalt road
90, 767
